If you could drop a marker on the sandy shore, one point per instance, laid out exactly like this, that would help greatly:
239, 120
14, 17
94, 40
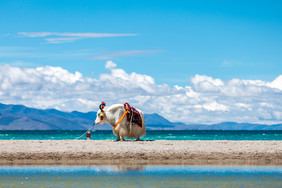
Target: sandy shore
76, 152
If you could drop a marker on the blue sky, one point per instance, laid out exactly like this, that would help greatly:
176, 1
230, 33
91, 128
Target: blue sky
175, 39
169, 41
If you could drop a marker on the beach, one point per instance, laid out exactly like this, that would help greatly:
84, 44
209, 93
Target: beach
82, 152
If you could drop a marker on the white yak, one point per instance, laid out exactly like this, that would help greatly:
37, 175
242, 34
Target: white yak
113, 114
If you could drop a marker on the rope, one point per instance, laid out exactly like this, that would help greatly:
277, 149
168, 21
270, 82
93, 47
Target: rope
121, 119
85, 132
123, 116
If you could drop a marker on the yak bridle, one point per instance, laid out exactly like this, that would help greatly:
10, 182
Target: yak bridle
101, 107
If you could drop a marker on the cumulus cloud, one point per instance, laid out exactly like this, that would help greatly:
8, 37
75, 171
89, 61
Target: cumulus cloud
110, 65
277, 83
56, 37
203, 100
206, 84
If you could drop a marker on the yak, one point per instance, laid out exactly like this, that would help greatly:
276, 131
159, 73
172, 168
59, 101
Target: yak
126, 127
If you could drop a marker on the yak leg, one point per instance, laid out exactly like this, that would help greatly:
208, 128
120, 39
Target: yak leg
137, 138
118, 137
122, 138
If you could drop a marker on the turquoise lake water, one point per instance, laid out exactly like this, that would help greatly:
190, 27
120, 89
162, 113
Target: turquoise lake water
140, 176
150, 135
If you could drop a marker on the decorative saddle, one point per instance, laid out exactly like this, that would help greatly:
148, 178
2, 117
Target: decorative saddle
133, 115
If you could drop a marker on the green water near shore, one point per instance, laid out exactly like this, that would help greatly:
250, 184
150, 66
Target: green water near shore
140, 176
150, 135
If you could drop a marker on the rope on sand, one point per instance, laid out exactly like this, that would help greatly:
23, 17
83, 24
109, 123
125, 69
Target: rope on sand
85, 132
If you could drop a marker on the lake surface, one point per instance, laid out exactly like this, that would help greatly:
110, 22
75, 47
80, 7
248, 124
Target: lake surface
140, 176
150, 135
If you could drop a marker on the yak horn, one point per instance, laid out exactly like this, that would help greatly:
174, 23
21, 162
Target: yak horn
101, 108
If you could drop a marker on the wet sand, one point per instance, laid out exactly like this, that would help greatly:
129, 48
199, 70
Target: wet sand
82, 152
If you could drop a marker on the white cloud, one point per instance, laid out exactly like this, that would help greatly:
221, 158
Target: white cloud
57, 74
206, 84
206, 100
70, 37
277, 83
35, 34
214, 106
110, 65
61, 40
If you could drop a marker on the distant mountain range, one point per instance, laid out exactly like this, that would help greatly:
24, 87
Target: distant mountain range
19, 117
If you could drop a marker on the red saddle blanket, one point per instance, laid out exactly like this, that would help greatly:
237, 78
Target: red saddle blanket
133, 115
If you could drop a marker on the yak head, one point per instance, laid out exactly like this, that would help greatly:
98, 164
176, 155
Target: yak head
100, 119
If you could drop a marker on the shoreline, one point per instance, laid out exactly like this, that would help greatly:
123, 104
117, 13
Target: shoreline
159, 152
